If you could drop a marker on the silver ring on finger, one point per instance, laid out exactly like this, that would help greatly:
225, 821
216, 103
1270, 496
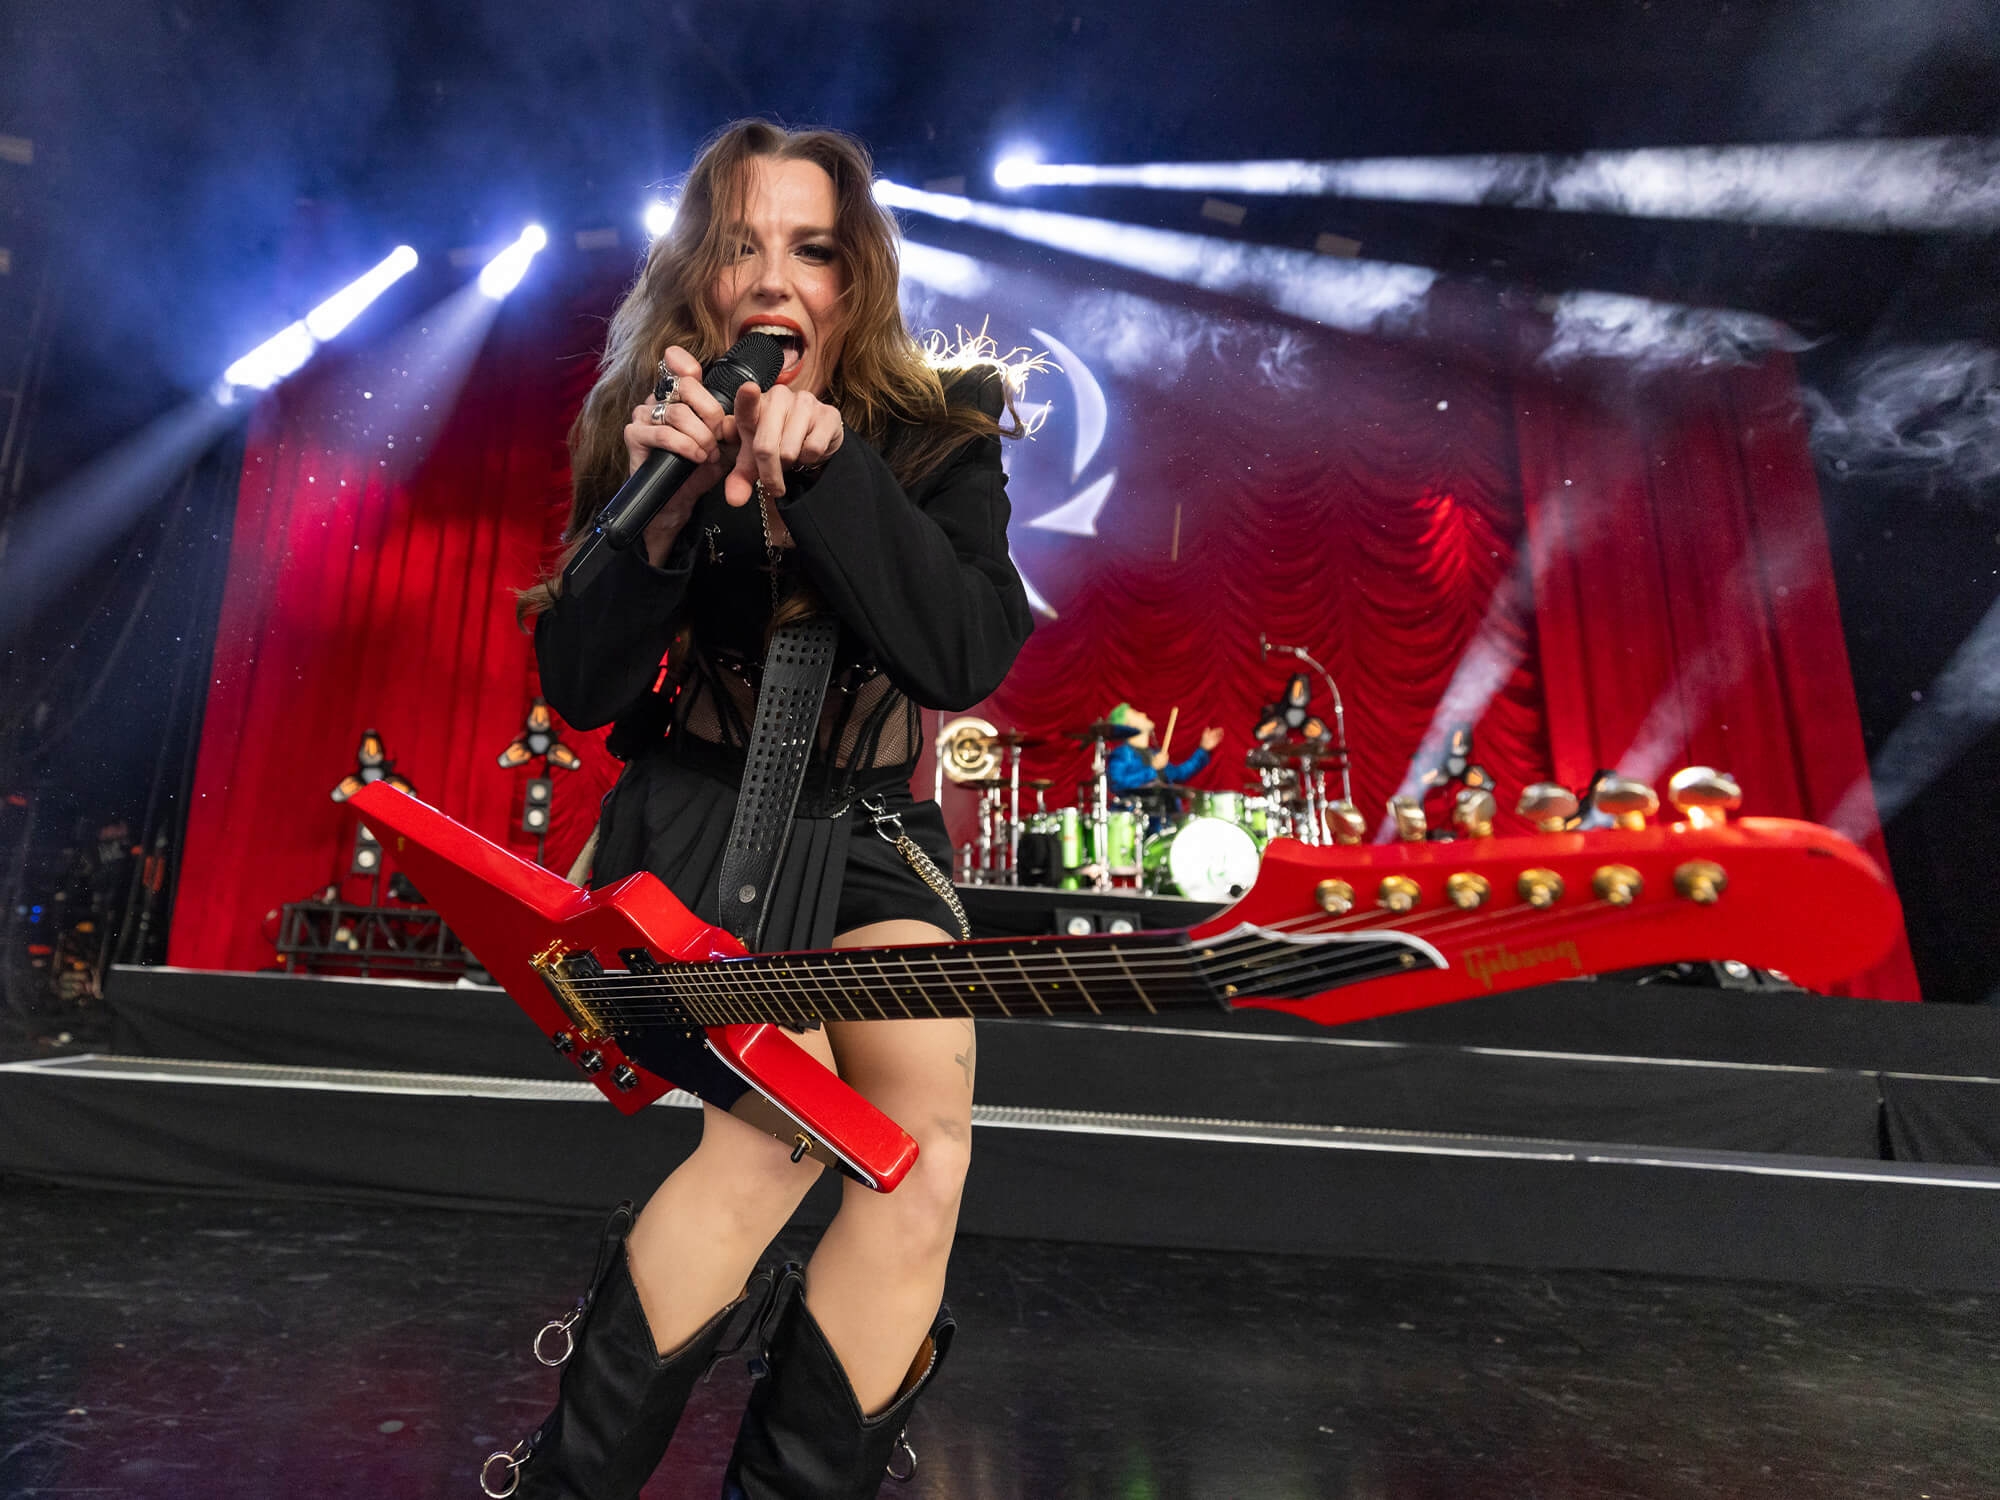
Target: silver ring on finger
666, 384
659, 413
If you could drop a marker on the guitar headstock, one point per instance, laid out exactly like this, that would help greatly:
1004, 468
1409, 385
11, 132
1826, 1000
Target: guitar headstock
1508, 912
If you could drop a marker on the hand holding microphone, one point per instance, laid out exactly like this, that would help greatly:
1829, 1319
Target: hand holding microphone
686, 439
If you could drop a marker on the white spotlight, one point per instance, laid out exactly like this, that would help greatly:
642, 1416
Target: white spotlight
504, 272
1015, 169
659, 218
272, 360
1927, 185
345, 305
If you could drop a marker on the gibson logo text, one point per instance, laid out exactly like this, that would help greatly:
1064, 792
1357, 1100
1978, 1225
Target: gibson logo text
1484, 963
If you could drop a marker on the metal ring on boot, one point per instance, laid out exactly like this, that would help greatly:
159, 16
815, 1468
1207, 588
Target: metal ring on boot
513, 1460
561, 1326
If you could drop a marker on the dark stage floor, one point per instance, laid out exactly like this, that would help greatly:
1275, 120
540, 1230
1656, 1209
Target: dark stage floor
161, 1346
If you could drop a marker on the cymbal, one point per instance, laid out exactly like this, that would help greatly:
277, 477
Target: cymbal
1104, 729
1037, 784
1300, 749
1016, 739
1261, 759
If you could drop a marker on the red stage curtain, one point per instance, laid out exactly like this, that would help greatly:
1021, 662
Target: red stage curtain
372, 571
1373, 529
1684, 597
1376, 513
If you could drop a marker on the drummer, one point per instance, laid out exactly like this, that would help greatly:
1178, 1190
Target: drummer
1134, 763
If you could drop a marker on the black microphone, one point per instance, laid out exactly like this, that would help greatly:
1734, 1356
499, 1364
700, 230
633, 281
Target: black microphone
755, 356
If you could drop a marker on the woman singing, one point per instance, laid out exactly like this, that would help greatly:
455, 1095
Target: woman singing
864, 485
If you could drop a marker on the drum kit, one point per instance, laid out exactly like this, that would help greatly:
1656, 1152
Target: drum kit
1158, 840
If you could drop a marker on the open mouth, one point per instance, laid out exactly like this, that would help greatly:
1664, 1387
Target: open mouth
790, 339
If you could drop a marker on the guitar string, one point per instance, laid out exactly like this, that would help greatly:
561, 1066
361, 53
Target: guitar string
801, 1006
751, 969
781, 984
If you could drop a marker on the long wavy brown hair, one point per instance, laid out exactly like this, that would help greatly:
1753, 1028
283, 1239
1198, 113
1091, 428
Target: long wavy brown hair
886, 383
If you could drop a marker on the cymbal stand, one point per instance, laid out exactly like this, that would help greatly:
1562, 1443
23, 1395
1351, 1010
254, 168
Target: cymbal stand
1312, 791
1013, 814
1339, 710
989, 815
1100, 813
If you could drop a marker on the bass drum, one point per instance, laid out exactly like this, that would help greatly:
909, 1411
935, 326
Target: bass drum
1205, 859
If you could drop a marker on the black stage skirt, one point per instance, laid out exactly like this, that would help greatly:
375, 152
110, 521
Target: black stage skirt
670, 814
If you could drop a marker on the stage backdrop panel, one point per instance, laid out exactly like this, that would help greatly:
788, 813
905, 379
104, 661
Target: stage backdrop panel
1596, 569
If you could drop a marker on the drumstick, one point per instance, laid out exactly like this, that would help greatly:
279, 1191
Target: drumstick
1172, 717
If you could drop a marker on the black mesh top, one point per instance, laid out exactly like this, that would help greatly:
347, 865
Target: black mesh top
932, 612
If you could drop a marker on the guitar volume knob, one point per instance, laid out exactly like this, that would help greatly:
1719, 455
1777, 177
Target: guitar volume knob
624, 1076
591, 1061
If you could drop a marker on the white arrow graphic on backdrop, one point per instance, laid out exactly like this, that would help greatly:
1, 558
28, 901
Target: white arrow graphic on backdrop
1076, 516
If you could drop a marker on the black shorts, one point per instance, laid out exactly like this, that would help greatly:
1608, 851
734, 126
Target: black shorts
671, 815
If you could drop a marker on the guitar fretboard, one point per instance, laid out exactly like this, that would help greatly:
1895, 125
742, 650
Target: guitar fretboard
1123, 975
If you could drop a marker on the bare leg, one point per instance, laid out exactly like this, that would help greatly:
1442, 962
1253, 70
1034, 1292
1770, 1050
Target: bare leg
875, 1281
704, 1230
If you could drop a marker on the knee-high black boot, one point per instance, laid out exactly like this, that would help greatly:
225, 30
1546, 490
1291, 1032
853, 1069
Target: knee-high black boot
620, 1398
803, 1435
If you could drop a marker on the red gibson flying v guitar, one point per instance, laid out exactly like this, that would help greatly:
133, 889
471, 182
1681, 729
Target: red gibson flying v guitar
1332, 934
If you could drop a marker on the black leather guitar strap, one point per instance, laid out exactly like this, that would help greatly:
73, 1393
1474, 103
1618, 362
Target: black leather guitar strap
797, 669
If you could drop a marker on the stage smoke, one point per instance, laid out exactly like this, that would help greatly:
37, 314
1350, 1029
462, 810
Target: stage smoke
1364, 296
1489, 660
1706, 675
1933, 410
289, 349
1358, 296
69, 526
1960, 707
1644, 333
945, 271
1919, 186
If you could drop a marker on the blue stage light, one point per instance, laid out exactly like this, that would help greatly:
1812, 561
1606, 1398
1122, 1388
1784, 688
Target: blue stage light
345, 305
659, 218
289, 348
504, 272
1016, 168
272, 360
1949, 184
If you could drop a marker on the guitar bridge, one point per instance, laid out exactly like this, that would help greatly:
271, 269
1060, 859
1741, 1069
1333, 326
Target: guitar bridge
560, 968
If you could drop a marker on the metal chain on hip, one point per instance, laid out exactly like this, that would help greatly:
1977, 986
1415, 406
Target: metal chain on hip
882, 820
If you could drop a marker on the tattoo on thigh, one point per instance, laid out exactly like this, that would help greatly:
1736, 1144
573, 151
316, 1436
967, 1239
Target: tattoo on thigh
970, 1055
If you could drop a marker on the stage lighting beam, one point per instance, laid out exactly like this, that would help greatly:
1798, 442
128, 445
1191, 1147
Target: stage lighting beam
345, 305
1948, 184
658, 218
1015, 169
272, 360
1358, 296
504, 272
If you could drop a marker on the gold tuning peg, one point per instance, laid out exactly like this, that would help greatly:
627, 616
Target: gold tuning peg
1551, 805
1345, 818
1706, 795
1408, 812
1474, 812
1627, 803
